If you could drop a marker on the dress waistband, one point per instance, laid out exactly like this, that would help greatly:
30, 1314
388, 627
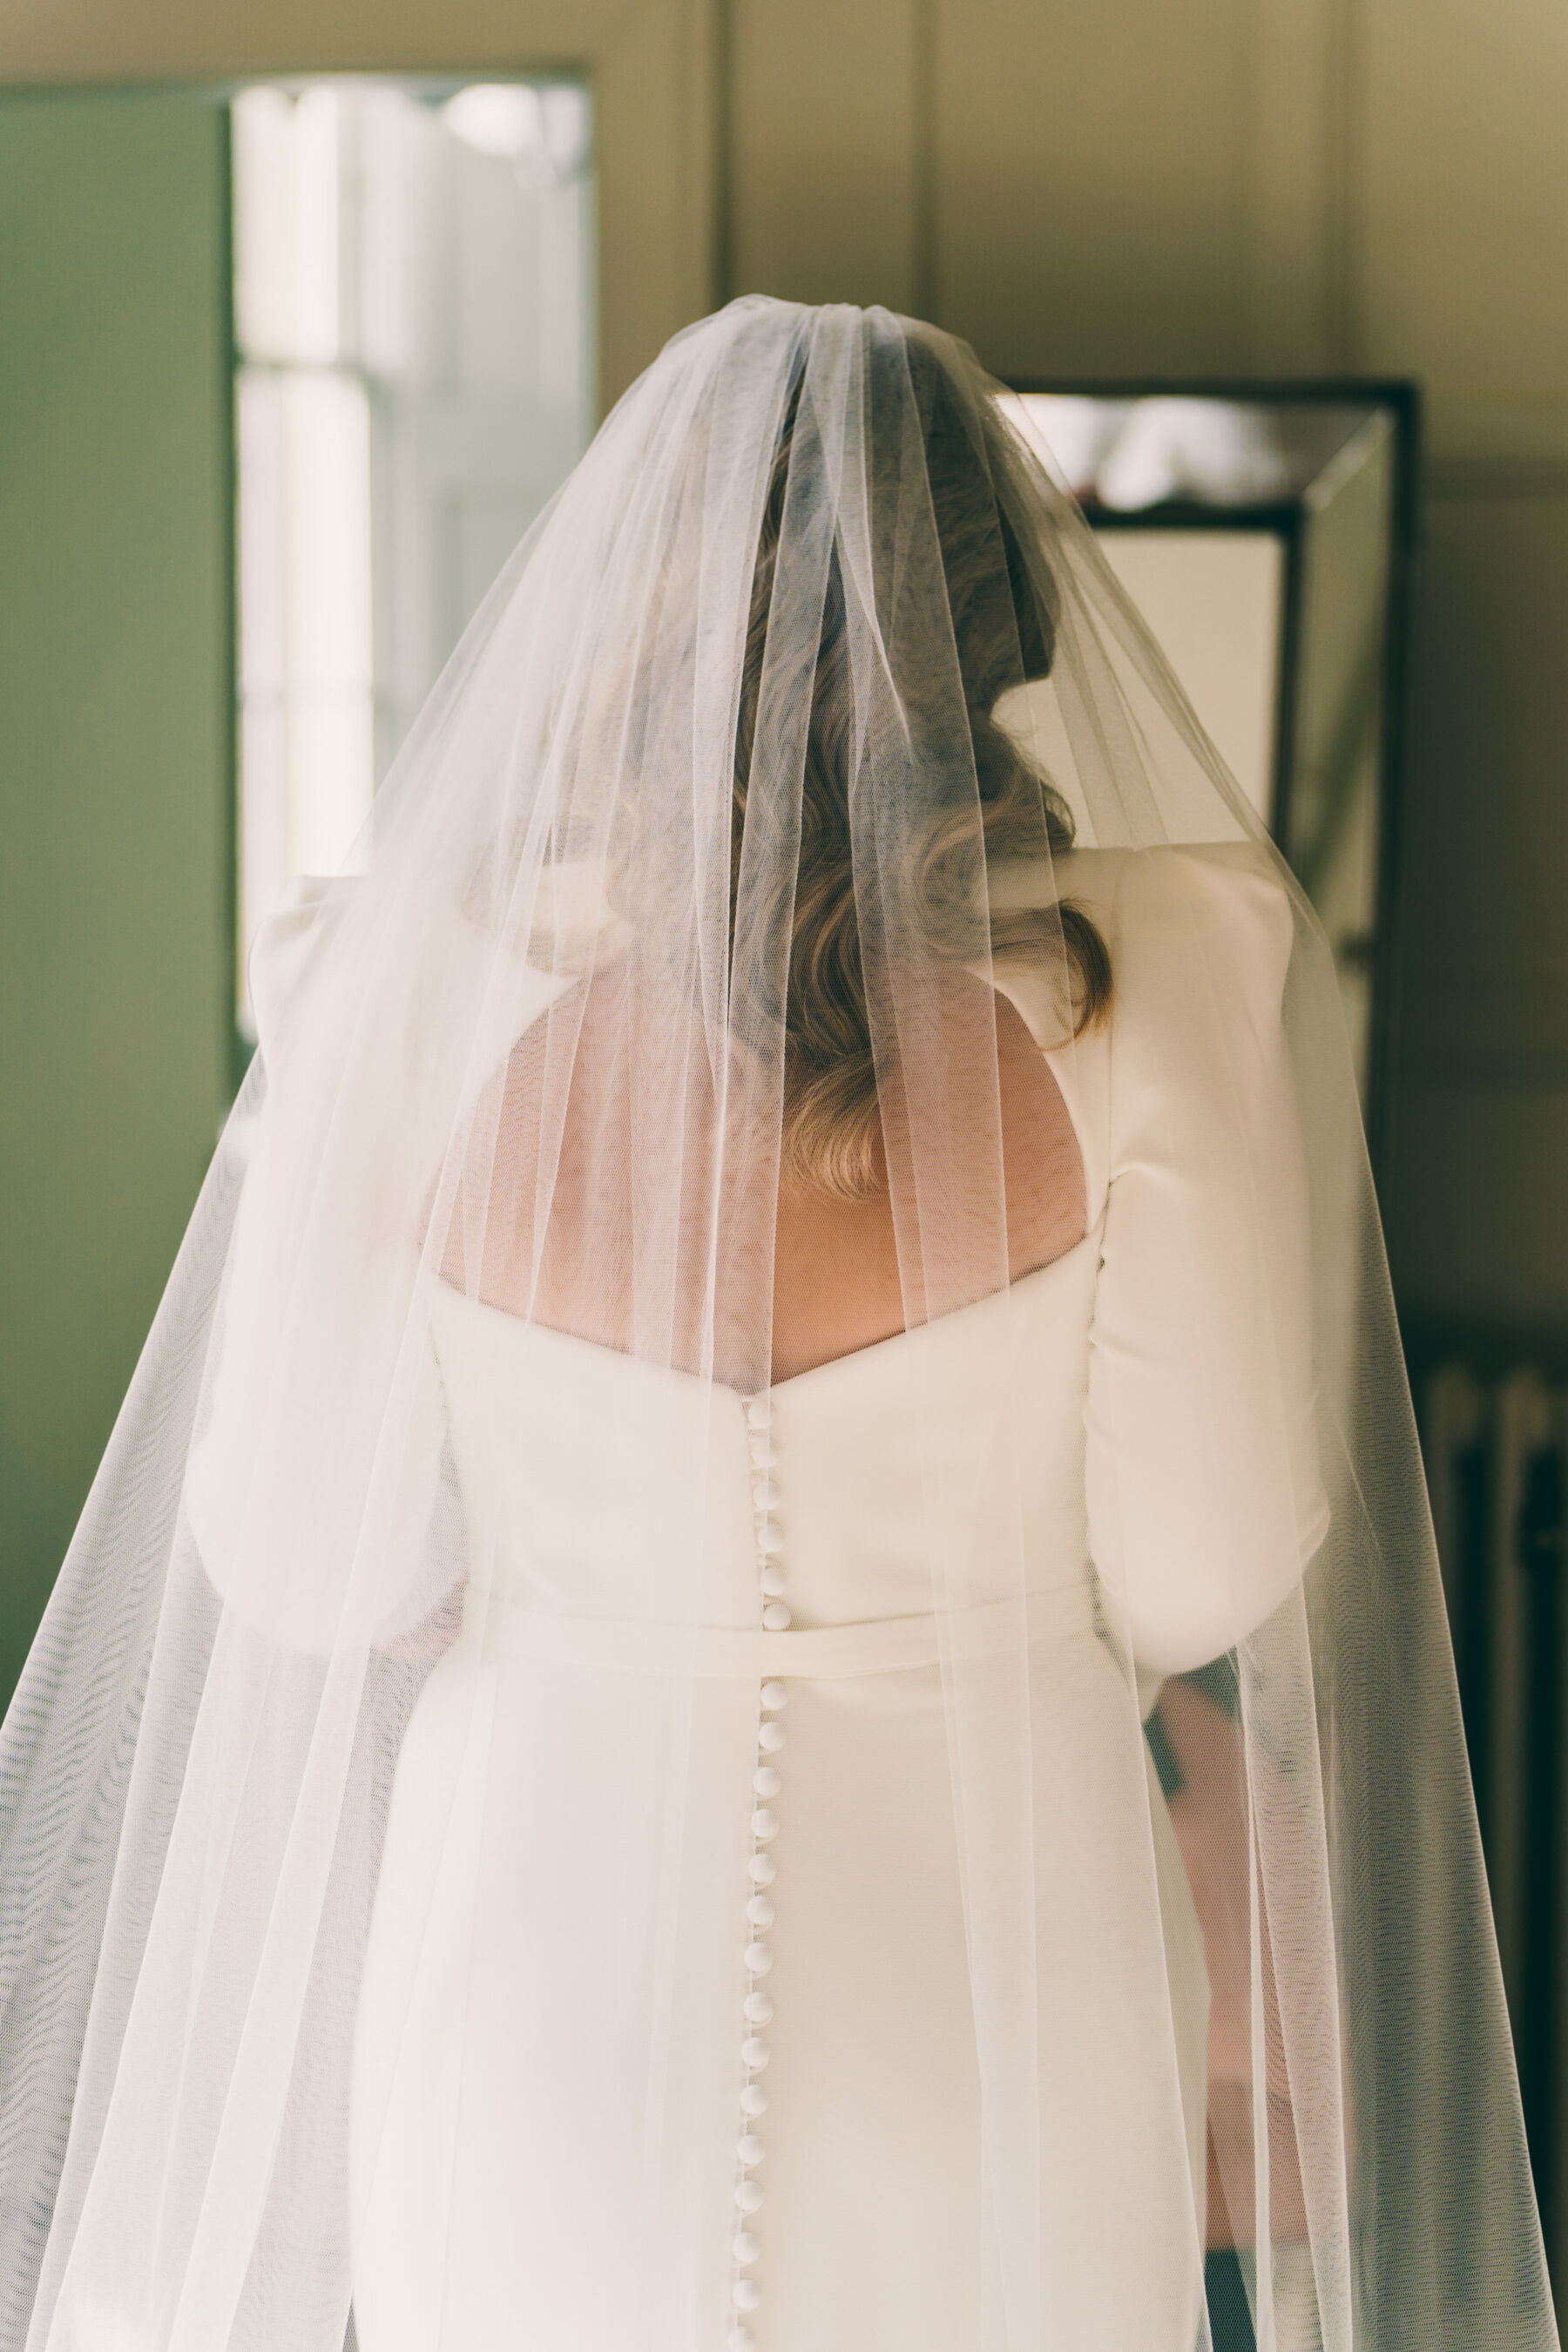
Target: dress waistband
880, 1645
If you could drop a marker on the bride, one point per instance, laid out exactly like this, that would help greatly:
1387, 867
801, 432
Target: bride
758, 1663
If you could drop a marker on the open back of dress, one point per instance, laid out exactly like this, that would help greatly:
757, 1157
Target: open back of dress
837, 1284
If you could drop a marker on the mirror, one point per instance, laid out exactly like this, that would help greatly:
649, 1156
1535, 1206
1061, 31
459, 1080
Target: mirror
1267, 534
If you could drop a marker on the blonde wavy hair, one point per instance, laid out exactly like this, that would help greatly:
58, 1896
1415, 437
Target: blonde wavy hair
1002, 630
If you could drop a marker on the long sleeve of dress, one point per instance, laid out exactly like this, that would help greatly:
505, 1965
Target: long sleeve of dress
1204, 1497
311, 1488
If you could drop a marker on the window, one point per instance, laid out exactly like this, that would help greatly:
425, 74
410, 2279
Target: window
413, 328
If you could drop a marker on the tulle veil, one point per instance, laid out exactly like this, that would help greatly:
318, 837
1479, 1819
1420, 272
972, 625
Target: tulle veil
577, 894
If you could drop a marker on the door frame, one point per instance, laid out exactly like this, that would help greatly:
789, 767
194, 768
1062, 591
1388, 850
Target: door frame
653, 67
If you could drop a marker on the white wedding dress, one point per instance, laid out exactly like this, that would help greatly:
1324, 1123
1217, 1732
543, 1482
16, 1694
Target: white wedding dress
509, 1845
827, 2110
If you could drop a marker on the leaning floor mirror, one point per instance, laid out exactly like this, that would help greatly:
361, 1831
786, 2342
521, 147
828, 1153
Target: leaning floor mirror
1266, 533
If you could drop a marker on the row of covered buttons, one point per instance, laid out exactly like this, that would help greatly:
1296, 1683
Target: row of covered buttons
765, 1502
757, 2007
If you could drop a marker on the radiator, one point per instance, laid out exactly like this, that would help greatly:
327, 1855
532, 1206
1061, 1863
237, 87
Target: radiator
1496, 1465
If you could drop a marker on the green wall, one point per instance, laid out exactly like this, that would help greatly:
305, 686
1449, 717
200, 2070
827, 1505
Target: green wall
115, 753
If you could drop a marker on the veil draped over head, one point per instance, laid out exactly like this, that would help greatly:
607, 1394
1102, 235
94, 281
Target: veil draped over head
805, 739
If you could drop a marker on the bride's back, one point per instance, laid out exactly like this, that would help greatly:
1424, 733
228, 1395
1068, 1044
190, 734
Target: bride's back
835, 1281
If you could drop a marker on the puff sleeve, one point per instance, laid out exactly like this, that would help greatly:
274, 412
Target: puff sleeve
1204, 1496
310, 1487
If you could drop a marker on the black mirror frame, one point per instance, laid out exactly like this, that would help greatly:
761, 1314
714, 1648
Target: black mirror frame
1399, 398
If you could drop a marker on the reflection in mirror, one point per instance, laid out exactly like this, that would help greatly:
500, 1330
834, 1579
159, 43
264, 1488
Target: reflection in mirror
414, 348
1266, 535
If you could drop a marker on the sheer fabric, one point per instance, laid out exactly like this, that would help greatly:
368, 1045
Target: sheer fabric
807, 608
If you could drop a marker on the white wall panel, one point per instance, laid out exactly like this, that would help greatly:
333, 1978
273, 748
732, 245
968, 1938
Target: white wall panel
1092, 173
1466, 225
823, 145
1489, 848
1481, 1129
1473, 1251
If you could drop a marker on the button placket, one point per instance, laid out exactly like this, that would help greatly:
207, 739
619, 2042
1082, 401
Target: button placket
757, 1958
